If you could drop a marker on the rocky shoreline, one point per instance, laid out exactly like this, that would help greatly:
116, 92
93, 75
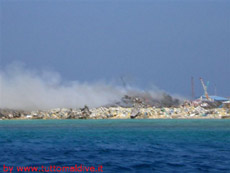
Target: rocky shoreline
181, 112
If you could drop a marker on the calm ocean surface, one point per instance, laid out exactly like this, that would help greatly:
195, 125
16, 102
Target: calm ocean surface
118, 145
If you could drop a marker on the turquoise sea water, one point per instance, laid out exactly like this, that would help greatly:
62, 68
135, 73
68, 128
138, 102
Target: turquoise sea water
118, 145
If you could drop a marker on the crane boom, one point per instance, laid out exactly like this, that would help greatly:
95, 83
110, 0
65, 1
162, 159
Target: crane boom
205, 89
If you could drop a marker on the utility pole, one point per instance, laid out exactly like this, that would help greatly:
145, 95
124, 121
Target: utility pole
192, 86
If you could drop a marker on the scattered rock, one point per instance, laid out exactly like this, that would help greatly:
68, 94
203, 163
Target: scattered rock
85, 113
225, 117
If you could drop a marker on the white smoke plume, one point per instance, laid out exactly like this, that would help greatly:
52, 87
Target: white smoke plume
32, 90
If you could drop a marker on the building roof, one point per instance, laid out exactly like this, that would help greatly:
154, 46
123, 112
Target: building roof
218, 98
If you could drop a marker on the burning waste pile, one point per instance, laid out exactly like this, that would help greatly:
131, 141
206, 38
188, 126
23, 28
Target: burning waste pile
27, 94
141, 106
146, 100
128, 104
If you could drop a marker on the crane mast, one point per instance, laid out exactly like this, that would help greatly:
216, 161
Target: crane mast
205, 89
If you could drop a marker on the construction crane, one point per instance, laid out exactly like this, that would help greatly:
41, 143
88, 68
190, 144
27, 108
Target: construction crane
123, 82
205, 90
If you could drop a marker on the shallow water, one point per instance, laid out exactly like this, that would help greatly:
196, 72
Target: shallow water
118, 145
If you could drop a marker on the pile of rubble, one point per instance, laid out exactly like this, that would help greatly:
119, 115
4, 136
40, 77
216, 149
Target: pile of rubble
146, 100
139, 106
181, 112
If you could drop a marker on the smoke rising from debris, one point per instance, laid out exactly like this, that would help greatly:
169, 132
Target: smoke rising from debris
25, 89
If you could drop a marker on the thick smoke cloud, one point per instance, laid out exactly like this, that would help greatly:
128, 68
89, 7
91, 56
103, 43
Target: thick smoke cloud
21, 88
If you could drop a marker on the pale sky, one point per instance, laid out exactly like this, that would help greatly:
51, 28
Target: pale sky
153, 42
